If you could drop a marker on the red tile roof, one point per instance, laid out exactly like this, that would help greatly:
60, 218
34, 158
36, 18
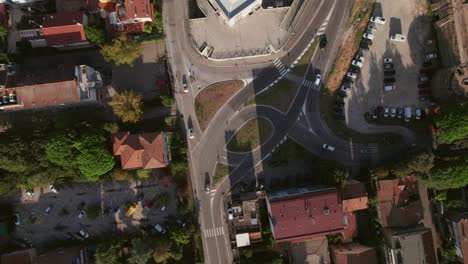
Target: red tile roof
354, 196
145, 151
354, 253
399, 202
308, 215
63, 28
138, 9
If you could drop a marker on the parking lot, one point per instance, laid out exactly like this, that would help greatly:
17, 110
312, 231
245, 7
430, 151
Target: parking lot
63, 222
405, 60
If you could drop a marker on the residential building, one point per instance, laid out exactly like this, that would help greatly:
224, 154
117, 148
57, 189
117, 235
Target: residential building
458, 225
353, 253
410, 245
233, 10
399, 202
141, 151
76, 255
46, 87
26, 256
246, 222
58, 30
313, 251
304, 213
353, 198
127, 16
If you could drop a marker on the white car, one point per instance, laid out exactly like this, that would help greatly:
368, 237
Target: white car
47, 210
386, 112
184, 83
378, 20
29, 193
345, 89
371, 27
230, 215
359, 58
53, 189
387, 60
318, 79
81, 214
430, 56
163, 208
357, 63
417, 113
328, 147
368, 36
398, 37
83, 233
393, 112
351, 75
160, 228
190, 133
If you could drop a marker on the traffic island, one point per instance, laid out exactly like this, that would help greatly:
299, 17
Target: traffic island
251, 135
279, 96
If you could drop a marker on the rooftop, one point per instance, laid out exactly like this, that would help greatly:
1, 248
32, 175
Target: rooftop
459, 226
354, 196
414, 245
304, 213
354, 253
233, 7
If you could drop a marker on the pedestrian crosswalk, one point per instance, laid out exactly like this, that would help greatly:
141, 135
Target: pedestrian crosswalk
310, 84
323, 27
214, 232
280, 67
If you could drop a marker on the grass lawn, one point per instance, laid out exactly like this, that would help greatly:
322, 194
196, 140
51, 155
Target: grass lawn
221, 171
251, 135
212, 98
300, 68
279, 96
342, 130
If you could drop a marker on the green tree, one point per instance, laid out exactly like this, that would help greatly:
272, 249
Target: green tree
162, 250
122, 50
167, 101
453, 125
60, 151
95, 35
143, 174
3, 32
128, 106
158, 22
448, 175
179, 235
416, 164
108, 253
141, 252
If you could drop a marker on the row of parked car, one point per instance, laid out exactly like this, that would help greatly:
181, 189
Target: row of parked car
396, 112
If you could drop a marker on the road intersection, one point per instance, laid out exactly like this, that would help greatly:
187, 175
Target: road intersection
302, 122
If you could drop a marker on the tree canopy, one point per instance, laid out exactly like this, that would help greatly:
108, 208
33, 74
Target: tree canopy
95, 35
108, 253
453, 125
449, 174
128, 106
122, 50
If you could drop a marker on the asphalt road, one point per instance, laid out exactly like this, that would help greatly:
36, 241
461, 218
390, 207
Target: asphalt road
301, 123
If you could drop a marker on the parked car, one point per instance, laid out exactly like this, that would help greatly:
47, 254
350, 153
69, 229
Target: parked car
430, 56
389, 72
318, 79
386, 112
328, 147
48, 209
207, 187
393, 112
364, 45
351, 75
371, 27
357, 63
230, 214
378, 20
389, 80
83, 233
388, 65
387, 60
398, 37
417, 113
53, 189
17, 219
399, 112
131, 209
408, 113
423, 92
81, 214
388, 88
368, 36
359, 58
374, 113
345, 89
160, 228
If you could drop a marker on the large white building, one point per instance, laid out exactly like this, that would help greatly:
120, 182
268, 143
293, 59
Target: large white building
233, 10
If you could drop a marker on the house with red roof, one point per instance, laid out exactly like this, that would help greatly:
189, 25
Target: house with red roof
58, 30
399, 202
141, 151
127, 16
353, 198
304, 213
353, 253
458, 226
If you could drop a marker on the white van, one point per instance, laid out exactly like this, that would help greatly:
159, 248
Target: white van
388, 88
408, 113
398, 37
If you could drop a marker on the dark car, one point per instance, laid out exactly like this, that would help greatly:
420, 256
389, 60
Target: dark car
323, 41
364, 45
388, 65
389, 80
107, 211
423, 85
389, 72
115, 210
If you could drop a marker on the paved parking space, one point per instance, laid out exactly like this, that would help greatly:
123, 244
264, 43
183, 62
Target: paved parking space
402, 17
63, 218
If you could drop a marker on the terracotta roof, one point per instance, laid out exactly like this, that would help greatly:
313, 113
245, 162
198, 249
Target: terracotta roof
140, 151
354, 196
62, 19
399, 202
308, 215
138, 9
63, 28
134, 27
354, 253
47, 94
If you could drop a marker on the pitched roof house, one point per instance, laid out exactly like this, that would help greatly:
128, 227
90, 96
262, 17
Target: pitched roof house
459, 228
354, 196
399, 202
128, 16
141, 151
353, 253
304, 213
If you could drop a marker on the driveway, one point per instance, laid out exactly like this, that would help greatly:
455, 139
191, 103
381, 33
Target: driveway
63, 219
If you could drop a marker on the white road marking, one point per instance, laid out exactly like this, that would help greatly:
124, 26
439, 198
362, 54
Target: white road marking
280, 67
214, 232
